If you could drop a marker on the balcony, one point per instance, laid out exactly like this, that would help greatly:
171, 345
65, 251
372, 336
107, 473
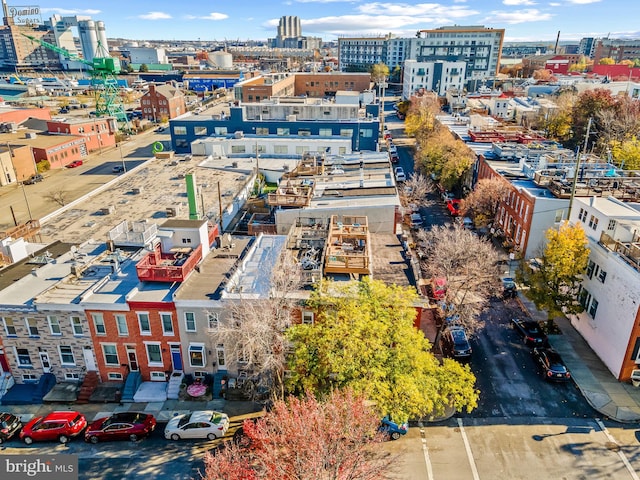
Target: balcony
628, 251
291, 193
172, 266
348, 246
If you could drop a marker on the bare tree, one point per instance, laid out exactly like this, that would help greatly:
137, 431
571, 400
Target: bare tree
253, 332
59, 197
416, 189
470, 266
483, 202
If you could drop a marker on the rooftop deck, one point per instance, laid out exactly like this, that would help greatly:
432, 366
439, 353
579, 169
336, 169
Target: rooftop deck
348, 246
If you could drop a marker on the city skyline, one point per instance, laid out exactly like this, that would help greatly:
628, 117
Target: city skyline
523, 20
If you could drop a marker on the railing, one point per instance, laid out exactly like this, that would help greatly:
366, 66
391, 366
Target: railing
167, 267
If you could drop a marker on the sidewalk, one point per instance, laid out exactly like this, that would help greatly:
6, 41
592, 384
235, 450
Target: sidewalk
615, 400
162, 411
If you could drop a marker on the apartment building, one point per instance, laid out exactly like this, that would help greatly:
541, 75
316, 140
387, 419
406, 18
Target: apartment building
610, 290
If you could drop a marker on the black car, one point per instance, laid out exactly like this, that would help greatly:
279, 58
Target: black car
530, 331
509, 288
9, 426
456, 343
553, 368
33, 179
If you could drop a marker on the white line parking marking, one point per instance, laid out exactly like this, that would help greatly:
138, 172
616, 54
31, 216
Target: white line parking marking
425, 452
621, 454
467, 447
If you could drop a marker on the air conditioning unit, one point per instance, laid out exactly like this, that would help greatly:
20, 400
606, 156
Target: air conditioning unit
170, 211
108, 210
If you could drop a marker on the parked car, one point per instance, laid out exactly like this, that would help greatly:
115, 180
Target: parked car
553, 368
509, 288
121, 426
399, 173
392, 429
9, 426
394, 157
530, 331
117, 169
415, 221
75, 164
34, 179
387, 136
453, 206
438, 287
392, 148
197, 424
61, 426
456, 343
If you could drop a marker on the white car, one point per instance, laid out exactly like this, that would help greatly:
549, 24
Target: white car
197, 424
400, 176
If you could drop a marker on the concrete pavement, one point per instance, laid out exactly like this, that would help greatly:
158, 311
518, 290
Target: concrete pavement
615, 400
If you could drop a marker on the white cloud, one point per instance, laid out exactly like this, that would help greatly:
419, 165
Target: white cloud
430, 10
155, 16
582, 2
519, 16
67, 11
211, 16
326, 1
518, 2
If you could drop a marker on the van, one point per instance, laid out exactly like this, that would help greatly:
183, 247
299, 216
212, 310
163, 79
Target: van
415, 221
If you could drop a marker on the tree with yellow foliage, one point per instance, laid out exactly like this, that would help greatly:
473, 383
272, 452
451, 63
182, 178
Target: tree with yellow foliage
554, 283
626, 153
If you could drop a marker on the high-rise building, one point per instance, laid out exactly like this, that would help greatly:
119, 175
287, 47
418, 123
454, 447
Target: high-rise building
290, 35
289, 27
479, 47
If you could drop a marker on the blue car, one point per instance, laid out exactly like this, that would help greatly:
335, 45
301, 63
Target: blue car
392, 429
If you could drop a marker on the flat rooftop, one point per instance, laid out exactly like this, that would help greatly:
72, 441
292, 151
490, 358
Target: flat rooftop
144, 193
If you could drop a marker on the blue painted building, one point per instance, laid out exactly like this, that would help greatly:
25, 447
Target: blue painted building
362, 131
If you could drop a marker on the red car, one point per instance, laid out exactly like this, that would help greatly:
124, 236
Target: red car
75, 164
61, 426
121, 426
454, 207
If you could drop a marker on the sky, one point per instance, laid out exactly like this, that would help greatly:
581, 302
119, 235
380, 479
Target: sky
523, 20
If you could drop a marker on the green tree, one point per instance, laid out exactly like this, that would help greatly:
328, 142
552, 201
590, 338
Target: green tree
607, 61
627, 153
364, 339
554, 283
379, 74
143, 67
589, 104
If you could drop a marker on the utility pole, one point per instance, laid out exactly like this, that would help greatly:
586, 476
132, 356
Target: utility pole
24, 193
577, 167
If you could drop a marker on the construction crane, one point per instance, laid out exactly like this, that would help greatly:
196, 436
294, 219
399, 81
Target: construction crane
103, 72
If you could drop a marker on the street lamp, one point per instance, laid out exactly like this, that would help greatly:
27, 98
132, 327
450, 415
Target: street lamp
124, 165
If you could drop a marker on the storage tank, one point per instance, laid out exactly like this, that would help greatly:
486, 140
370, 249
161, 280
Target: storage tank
221, 59
88, 39
102, 37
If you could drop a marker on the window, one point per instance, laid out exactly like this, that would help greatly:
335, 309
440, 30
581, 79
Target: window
190, 321
154, 354
307, 318
167, 323
114, 376
66, 355
242, 354
593, 308
238, 149
200, 130
179, 130
145, 325
346, 132
186, 241
325, 132
24, 360
281, 149
593, 222
32, 327
73, 377
29, 377
76, 325
366, 133
590, 268
110, 354
9, 327
283, 132
262, 131
220, 130
98, 323
301, 149
304, 132
602, 276
121, 324
196, 355
54, 325
582, 215
584, 298
213, 320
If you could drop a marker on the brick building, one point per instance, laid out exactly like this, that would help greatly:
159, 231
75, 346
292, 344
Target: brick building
162, 102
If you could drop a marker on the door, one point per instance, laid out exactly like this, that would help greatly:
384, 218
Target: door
89, 359
132, 358
176, 357
222, 364
44, 359
4, 365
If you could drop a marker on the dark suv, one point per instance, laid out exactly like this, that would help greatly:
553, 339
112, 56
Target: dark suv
9, 426
456, 343
33, 179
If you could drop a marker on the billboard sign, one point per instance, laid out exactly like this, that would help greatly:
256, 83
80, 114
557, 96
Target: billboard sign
25, 15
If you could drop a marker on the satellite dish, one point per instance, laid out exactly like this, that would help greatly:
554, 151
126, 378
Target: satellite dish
73, 249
